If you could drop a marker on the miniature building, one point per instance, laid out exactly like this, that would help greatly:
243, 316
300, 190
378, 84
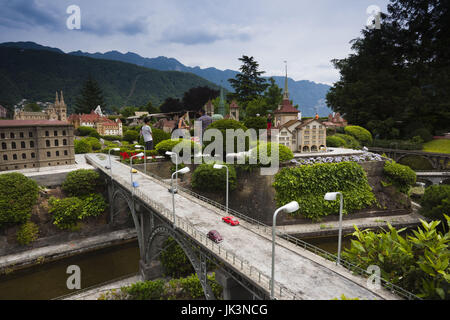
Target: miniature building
209, 108
234, 111
103, 125
297, 134
56, 111
35, 143
335, 120
3, 112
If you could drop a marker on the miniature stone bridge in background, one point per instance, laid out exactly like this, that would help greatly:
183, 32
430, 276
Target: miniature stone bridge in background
243, 258
438, 161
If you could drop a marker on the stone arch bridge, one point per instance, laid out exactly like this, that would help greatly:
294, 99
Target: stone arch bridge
439, 161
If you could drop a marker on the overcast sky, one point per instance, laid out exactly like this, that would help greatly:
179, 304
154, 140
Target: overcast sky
205, 33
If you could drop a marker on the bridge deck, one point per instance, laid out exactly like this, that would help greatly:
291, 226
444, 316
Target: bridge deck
307, 275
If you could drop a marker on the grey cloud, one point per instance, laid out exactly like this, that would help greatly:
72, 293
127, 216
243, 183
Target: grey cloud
23, 14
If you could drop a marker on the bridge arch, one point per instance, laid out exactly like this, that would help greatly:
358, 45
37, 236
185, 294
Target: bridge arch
405, 156
199, 264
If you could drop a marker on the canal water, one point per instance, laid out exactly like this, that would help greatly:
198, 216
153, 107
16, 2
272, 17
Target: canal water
48, 280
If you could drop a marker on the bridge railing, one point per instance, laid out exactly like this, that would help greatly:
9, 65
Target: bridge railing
253, 273
261, 278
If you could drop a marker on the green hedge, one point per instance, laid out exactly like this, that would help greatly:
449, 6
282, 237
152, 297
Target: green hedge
168, 145
361, 134
350, 141
84, 131
402, 177
222, 126
284, 153
435, 202
81, 182
18, 195
82, 146
206, 178
308, 184
333, 141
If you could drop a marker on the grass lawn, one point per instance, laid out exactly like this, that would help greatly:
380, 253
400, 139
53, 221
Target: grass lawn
438, 145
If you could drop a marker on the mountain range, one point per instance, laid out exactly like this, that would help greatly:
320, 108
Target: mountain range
310, 96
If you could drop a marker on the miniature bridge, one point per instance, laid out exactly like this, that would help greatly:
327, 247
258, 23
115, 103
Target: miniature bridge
433, 177
244, 256
438, 161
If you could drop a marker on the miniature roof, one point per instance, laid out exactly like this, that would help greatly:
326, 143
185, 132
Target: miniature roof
286, 107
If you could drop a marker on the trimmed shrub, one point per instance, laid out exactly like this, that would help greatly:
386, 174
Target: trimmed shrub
145, 290
350, 141
66, 212
94, 142
27, 233
402, 177
435, 202
18, 195
359, 133
159, 135
131, 136
333, 141
81, 182
257, 123
308, 184
84, 131
284, 153
206, 178
82, 146
168, 145
94, 134
222, 126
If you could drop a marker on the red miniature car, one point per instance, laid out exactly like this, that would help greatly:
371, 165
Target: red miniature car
230, 220
215, 236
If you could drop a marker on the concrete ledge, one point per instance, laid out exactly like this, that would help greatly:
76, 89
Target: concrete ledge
59, 251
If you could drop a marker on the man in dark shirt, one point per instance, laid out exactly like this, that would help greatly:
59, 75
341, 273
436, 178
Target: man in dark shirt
205, 119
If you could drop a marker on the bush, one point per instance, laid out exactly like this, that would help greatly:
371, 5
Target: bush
85, 131
435, 202
308, 184
145, 290
333, 141
222, 126
93, 205
206, 178
159, 135
131, 136
350, 141
66, 212
284, 153
27, 233
82, 146
18, 195
168, 145
359, 133
257, 123
423, 133
402, 177
94, 143
417, 263
81, 182
174, 261
94, 134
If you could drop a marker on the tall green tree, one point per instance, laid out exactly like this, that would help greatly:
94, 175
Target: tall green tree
396, 81
195, 98
90, 97
273, 95
248, 84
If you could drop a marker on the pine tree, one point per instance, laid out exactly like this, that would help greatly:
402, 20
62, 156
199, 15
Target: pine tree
248, 84
90, 97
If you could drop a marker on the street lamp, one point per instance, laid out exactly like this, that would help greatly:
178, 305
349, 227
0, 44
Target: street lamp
182, 171
109, 155
221, 166
170, 153
290, 207
145, 156
134, 184
331, 196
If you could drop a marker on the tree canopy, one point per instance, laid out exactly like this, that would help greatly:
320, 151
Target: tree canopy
396, 81
90, 97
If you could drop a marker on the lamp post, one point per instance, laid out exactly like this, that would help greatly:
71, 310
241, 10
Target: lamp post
109, 155
133, 184
290, 207
331, 196
182, 171
145, 156
170, 153
221, 166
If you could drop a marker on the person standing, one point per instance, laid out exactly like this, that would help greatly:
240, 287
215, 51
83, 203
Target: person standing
146, 132
205, 119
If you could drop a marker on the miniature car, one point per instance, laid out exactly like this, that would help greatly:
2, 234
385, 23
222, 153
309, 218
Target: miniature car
215, 236
133, 170
230, 220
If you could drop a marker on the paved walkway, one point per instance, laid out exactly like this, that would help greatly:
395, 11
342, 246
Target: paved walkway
308, 275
